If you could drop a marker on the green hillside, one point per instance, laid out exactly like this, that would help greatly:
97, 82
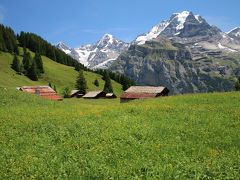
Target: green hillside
180, 137
60, 75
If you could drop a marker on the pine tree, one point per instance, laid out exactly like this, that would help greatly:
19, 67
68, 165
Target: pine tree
16, 64
126, 83
81, 83
32, 72
237, 85
96, 83
2, 42
78, 67
39, 63
50, 84
26, 61
108, 85
21, 68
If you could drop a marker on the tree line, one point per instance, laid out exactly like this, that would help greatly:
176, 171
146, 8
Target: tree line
120, 78
8, 40
36, 44
33, 67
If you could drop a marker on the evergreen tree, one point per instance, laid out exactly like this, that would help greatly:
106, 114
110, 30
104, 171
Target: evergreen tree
78, 67
26, 61
237, 85
126, 83
32, 72
16, 64
24, 50
96, 83
39, 63
50, 84
21, 68
108, 85
2, 42
81, 83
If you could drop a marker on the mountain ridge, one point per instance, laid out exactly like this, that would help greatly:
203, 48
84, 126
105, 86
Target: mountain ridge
185, 57
101, 56
105, 50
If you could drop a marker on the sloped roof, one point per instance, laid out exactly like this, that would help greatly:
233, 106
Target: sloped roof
43, 91
145, 89
127, 95
92, 94
73, 92
143, 92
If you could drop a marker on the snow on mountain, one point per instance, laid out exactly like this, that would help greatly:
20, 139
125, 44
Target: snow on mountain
183, 27
172, 27
159, 28
61, 45
181, 18
153, 33
98, 55
234, 33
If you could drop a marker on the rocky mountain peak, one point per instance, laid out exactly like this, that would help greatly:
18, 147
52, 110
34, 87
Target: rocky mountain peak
183, 24
97, 55
235, 33
61, 45
106, 40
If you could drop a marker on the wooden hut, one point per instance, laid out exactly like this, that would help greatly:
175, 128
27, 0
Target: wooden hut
45, 92
143, 92
76, 94
94, 95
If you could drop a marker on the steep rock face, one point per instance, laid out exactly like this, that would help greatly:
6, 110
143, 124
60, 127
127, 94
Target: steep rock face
171, 64
185, 54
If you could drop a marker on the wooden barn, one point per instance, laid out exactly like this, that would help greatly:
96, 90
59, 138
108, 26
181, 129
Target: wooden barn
45, 92
94, 95
143, 92
76, 94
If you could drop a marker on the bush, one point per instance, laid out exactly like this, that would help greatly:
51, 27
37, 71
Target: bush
66, 92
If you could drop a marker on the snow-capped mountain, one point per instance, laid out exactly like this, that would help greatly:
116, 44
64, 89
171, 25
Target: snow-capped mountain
61, 45
235, 33
184, 24
99, 55
185, 27
185, 54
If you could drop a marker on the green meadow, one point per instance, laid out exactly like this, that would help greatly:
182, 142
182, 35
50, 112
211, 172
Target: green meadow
178, 137
59, 75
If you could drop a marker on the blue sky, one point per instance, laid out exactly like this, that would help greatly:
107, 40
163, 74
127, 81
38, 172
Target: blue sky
78, 22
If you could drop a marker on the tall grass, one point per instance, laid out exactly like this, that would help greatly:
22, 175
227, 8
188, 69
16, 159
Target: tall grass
181, 137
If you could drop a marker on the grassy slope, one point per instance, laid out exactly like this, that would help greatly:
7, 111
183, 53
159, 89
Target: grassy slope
58, 74
181, 137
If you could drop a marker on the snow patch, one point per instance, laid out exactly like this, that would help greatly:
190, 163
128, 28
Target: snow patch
181, 19
232, 30
226, 48
103, 64
153, 33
